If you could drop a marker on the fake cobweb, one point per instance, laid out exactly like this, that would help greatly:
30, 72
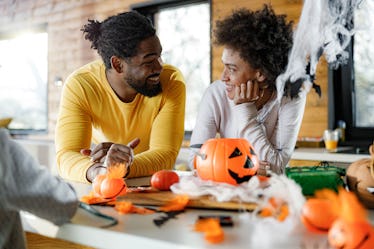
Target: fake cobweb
254, 191
325, 29
262, 230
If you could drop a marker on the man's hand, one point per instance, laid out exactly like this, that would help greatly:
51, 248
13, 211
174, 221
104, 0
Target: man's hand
107, 154
99, 153
121, 154
247, 92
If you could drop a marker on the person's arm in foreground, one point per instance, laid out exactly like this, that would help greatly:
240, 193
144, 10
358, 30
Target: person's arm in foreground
25, 185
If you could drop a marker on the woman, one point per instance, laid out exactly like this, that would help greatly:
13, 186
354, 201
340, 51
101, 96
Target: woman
244, 102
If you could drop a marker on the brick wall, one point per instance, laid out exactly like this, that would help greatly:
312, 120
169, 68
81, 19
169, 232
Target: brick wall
68, 50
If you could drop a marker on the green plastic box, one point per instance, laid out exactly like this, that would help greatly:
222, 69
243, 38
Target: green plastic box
312, 178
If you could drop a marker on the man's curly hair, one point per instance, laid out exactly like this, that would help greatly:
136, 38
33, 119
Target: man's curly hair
118, 35
262, 38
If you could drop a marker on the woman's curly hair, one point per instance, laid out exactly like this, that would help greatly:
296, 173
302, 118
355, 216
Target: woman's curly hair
262, 38
118, 35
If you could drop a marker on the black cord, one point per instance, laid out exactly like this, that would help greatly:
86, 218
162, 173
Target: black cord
97, 213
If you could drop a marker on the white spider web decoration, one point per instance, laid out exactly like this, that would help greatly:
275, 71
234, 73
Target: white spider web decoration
325, 28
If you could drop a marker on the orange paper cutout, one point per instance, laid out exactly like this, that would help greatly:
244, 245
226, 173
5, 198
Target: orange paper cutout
117, 170
276, 208
213, 232
126, 207
176, 204
92, 198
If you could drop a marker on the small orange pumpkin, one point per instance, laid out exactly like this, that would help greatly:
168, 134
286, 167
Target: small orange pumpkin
228, 160
113, 187
351, 230
111, 184
108, 187
96, 183
351, 235
318, 215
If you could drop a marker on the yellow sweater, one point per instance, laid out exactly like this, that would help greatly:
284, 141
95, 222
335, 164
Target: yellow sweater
90, 112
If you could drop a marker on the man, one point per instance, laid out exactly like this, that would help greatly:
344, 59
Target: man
128, 101
25, 185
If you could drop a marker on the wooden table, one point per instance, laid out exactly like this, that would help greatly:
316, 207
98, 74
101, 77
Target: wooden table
140, 231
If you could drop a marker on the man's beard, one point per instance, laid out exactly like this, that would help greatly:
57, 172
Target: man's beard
143, 89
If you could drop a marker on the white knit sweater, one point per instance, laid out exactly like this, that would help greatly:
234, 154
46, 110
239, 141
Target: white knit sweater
272, 130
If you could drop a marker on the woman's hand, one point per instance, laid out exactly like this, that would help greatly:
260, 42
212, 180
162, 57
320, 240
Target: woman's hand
263, 168
247, 92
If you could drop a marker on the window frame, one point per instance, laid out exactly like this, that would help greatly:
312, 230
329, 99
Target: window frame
34, 29
149, 9
341, 103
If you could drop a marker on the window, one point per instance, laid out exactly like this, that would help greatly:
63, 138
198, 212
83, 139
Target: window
184, 31
23, 81
352, 86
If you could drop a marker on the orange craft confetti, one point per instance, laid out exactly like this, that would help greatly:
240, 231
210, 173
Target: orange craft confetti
283, 212
213, 232
176, 204
126, 207
123, 207
92, 198
266, 212
117, 170
276, 208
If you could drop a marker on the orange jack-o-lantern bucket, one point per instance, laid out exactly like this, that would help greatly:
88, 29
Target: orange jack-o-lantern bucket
228, 160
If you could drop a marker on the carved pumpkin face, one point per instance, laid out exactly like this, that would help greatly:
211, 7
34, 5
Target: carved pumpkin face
344, 234
229, 160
